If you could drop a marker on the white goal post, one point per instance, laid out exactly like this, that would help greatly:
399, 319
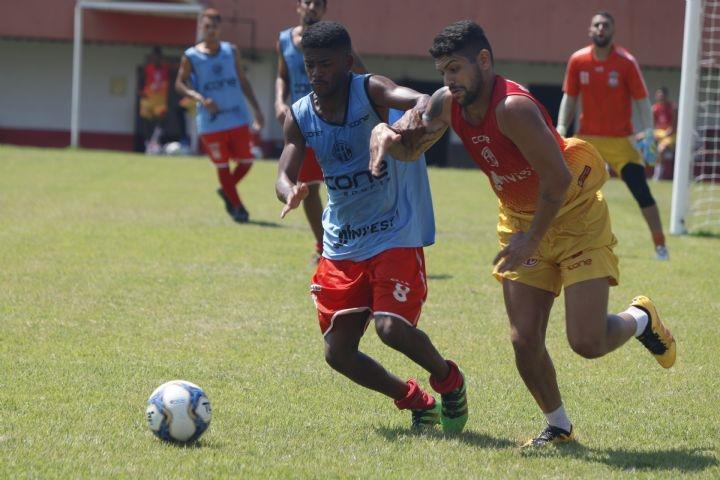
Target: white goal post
696, 184
119, 6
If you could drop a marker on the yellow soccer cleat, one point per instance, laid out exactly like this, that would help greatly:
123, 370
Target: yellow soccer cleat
656, 337
550, 436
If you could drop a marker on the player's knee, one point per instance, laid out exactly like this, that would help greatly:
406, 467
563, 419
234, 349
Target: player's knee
337, 358
391, 330
527, 342
588, 347
634, 177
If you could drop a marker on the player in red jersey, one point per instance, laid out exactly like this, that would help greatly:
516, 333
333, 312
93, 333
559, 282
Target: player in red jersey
665, 122
609, 82
554, 226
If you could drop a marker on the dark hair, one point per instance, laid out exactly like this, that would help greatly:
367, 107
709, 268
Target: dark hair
606, 15
324, 2
464, 37
212, 14
326, 35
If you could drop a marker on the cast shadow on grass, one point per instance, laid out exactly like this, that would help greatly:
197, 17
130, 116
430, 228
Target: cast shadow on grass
682, 459
440, 276
468, 437
264, 223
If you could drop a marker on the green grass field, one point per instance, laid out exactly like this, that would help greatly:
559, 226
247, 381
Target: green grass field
119, 272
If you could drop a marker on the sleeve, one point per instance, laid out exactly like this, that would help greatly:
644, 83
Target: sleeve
571, 85
636, 84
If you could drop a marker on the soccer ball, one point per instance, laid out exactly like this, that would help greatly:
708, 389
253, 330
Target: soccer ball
178, 411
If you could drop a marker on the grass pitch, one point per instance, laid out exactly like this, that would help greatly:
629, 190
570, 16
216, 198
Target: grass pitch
119, 272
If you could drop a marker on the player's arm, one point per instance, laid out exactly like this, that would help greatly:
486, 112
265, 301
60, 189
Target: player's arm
287, 189
520, 120
259, 121
182, 85
424, 122
282, 87
566, 114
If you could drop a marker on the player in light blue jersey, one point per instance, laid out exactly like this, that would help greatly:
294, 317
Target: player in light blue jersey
212, 74
292, 82
375, 228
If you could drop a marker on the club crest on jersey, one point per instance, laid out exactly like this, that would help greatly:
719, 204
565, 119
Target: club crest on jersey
217, 68
342, 151
584, 77
489, 156
613, 78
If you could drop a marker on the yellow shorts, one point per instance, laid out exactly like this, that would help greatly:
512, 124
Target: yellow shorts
153, 106
616, 151
663, 140
579, 244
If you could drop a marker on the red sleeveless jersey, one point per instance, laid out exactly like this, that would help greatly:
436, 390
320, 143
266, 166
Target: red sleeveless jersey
511, 176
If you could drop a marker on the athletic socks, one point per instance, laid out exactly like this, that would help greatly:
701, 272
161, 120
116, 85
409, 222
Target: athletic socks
452, 382
658, 238
240, 171
228, 185
641, 319
558, 418
416, 398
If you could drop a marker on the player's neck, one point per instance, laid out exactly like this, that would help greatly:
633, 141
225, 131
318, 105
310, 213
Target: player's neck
602, 53
333, 108
476, 111
210, 46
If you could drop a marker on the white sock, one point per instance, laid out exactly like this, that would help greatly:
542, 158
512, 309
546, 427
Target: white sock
558, 418
641, 319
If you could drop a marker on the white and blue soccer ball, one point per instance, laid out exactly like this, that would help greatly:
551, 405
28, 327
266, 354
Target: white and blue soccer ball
178, 411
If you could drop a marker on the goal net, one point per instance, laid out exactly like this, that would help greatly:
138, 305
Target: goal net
696, 189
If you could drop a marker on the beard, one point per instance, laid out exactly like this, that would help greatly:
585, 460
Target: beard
472, 93
601, 42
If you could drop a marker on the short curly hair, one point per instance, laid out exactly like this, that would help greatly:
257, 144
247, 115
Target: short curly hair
326, 35
465, 38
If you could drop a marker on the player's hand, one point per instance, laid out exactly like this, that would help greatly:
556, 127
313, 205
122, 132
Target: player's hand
210, 104
258, 122
411, 127
381, 138
520, 248
295, 197
281, 112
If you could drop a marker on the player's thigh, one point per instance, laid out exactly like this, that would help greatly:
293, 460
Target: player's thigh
340, 288
216, 146
239, 144
528, 310
310, 171
586, 310
398, 284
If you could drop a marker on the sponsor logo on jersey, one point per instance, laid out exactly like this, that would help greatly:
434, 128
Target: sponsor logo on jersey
315, 288
349, 232
499, 180
480, 139
357, 122
583, 176
220, 84
357, 182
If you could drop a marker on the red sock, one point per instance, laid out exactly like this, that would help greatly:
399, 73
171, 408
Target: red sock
416, 398
240, 171
228, 186
658, 238
453, 381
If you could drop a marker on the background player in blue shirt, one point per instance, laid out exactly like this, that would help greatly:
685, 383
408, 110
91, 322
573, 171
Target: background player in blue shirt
292, 81
211, 73
375, 228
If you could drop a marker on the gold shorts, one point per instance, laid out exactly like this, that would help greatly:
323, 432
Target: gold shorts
664, 140
616, 151
579, 244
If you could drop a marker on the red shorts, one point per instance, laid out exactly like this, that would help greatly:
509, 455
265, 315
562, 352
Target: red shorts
310, 172
390, 283
226, 144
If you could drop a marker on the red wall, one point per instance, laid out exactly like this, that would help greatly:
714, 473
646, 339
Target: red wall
520, 30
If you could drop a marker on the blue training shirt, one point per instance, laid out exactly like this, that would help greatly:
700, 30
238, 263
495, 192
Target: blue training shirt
365, 215
215, 76
299, 82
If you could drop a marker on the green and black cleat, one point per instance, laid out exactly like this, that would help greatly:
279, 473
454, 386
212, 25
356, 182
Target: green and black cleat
427, 418
455, 409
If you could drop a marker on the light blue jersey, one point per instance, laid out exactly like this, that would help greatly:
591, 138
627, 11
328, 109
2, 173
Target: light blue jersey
365, 215
299, 82
215, 76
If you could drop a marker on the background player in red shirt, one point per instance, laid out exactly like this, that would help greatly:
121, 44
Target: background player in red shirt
665, 120
554, 226
609, 80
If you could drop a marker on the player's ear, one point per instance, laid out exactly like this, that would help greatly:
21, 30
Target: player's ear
350, 60
484, 59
